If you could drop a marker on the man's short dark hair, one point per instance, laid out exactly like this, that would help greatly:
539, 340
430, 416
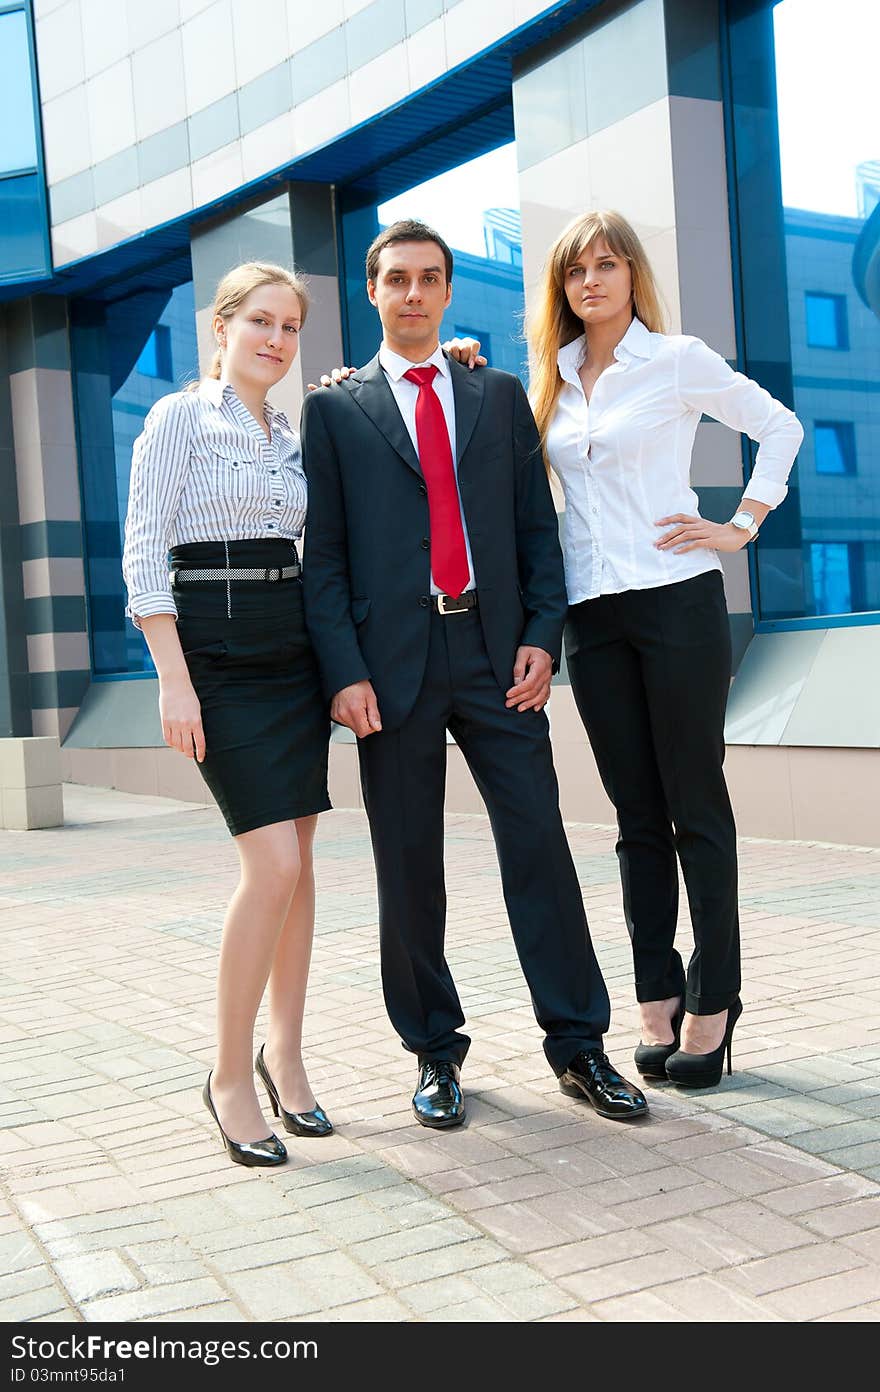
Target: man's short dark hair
407, 230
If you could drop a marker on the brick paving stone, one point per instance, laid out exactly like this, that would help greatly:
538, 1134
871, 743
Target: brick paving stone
793, 1268
639, 1273
843, 1219
302, 1286
98, 1274
829, 1295
152, 1301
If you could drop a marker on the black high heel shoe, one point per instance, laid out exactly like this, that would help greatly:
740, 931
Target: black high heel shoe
313, 1123
650, 1059
269, 1151
704, 1070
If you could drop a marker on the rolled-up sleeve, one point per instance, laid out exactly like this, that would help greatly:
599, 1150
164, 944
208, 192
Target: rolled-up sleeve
708, 384
159, 465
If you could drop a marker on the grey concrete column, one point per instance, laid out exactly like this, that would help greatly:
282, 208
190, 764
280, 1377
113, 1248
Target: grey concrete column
47, 485
15, 705
295, 228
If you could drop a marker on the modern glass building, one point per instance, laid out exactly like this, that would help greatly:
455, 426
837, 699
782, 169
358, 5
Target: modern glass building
146, 148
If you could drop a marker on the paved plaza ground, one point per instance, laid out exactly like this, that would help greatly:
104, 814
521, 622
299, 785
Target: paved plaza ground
759, 1201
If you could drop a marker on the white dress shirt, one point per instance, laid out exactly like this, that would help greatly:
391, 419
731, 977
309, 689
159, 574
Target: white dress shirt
406, 394
624, 458
203, 469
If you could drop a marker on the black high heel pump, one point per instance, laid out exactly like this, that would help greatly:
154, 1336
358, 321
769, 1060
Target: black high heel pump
269, 1151
704, 1070
650, 1059
313, 1123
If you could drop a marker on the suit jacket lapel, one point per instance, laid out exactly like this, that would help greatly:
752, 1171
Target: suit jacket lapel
467, 389
372, 393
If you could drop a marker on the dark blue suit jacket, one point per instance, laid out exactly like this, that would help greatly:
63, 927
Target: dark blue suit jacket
367, 569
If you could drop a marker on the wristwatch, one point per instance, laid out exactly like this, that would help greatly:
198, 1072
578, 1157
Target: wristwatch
745, 522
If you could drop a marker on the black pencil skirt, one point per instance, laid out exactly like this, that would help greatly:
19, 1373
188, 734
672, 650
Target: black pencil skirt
266, 723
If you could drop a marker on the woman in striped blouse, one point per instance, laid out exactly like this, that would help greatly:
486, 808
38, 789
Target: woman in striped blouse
217, 478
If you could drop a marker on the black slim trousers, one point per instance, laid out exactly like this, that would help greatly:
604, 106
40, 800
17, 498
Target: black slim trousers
403, 774
650, 671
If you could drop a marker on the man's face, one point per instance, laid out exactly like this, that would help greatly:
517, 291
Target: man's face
411, 293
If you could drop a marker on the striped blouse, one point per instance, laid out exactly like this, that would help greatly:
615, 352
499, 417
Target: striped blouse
204, 470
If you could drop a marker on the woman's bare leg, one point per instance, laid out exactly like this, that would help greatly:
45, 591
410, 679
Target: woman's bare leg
255, 918
287, 984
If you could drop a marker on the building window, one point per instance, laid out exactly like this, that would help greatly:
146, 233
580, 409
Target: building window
832, 578
127, 353
155, 359
826, 321
835, 446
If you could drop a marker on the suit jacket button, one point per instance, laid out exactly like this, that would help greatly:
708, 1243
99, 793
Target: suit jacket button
424, 601
426, 545
423, 490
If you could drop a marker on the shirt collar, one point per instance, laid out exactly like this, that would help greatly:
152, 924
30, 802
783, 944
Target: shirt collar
636, 343
213, 390
396, 366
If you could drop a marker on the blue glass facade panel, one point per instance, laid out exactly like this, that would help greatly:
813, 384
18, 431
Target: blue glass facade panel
24, 217
807, 330
18, 127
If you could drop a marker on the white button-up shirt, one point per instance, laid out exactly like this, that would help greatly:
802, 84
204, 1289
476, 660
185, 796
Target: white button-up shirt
624, 459
203, 469
406, 394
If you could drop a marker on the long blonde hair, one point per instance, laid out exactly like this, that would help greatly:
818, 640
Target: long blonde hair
554, 323
234, 289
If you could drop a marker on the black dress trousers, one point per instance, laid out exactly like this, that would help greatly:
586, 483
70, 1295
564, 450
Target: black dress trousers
650, 672
403, 774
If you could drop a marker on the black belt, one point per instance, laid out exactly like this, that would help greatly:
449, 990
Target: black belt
274, 573
444, 604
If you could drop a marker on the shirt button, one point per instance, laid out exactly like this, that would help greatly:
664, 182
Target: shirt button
595, 509
426, 545
424, 601
271, 526
278, 502
273, 471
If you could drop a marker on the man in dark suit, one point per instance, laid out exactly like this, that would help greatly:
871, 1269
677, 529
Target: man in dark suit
435, 600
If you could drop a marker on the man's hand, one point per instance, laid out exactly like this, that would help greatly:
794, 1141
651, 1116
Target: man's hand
181, 716
332, 379
356, 707
466, 351
531, 675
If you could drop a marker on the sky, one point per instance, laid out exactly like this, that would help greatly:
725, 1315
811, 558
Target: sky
828, 85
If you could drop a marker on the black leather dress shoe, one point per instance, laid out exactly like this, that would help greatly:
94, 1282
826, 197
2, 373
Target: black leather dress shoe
592, 1075
437, 1100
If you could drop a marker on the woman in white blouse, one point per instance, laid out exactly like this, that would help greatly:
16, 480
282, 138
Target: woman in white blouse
217, 480
618, 402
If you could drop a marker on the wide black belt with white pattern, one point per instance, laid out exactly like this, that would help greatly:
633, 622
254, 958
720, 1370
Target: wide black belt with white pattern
274, 573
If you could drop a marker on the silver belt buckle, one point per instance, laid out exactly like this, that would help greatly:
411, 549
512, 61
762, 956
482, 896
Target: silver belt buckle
441, 605
273, 573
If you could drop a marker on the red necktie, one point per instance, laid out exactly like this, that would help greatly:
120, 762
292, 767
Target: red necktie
449, 563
